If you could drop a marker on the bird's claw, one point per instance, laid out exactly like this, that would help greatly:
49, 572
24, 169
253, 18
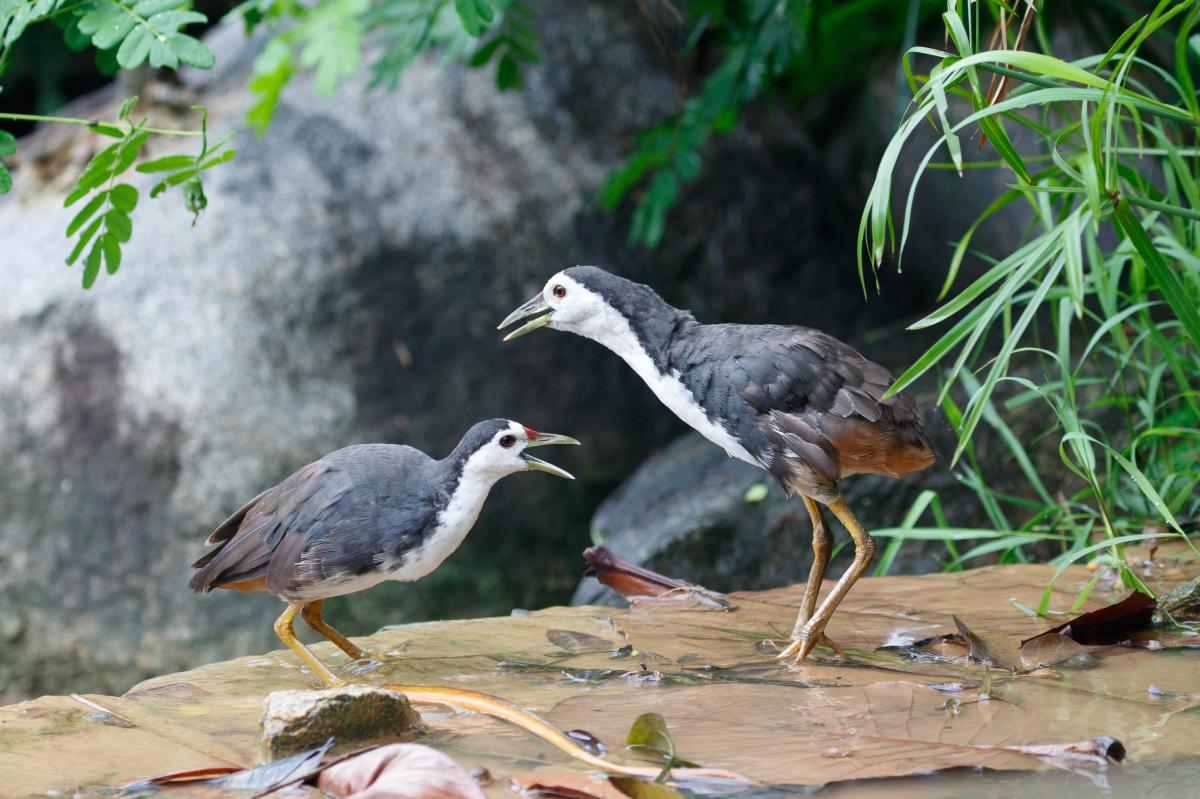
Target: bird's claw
802, 644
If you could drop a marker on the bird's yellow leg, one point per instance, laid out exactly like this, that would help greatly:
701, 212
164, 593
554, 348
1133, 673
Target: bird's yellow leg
813, 630
311, 613
822, 541
287, 633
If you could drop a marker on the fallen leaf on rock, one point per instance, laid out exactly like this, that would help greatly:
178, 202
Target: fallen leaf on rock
275, 774
576, 642
399, 771
644, 789
627, 579
977, 649
694, 598
1108, 625
191, 775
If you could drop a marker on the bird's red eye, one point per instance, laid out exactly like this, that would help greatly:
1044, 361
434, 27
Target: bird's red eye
507, 441
560, 291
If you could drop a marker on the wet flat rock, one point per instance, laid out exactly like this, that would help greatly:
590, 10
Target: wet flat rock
908, 700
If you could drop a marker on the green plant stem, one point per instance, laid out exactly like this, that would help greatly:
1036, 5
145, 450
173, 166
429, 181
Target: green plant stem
90, 123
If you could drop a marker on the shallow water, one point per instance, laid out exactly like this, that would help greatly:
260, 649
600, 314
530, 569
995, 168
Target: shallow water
920, 720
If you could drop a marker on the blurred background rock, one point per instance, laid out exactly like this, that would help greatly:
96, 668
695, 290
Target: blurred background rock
344, 286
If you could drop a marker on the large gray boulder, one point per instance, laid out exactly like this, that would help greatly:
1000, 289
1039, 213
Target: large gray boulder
342, 287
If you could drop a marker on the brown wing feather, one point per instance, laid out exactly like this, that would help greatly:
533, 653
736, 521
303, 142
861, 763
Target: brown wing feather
843, 425
248, 540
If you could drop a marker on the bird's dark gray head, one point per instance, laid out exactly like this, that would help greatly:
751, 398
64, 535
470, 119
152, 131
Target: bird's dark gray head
596, 304
496, 448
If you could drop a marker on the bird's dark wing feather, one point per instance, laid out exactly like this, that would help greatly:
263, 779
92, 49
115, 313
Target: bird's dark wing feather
795, 393
330, 521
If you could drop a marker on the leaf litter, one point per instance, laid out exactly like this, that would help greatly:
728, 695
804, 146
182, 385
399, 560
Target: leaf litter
709, 676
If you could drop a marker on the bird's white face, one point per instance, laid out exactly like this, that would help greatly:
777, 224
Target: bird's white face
505, 453
566, 304
572, 306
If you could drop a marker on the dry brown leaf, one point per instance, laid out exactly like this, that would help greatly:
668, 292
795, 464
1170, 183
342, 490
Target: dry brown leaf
1108, 625
399, 771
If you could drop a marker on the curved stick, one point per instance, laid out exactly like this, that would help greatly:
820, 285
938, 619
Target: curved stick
504, 710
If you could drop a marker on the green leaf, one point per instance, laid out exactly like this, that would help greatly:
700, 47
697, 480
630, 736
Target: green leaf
1167, 281
86, 213
146, 31
123, 197
755, 493
127, 107
332, 38
84, 238
5, 180
272, 71
227, 155
508, 74
112, 253
8, 144
649, 733
91, 267
167, 164
637, 788
484, 53
474, 15
119, 224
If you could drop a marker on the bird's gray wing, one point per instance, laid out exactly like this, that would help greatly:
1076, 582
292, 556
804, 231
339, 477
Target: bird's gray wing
783, 388
248, 540
331, 521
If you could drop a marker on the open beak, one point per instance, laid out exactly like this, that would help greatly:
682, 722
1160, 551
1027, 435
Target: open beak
535, 305
536, 439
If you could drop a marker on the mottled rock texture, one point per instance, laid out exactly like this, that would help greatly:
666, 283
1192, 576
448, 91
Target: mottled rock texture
354, 716
343, 287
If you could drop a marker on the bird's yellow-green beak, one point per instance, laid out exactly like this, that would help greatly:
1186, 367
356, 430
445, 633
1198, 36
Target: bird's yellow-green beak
535, 305
536, 439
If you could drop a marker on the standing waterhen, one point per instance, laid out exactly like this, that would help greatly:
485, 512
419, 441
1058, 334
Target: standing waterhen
794, 401
359, 516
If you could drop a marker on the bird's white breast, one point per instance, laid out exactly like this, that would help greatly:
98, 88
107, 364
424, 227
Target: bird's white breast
613, 331
453, 524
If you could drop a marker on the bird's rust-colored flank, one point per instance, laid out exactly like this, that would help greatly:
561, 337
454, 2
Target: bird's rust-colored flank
246, 586
869, 447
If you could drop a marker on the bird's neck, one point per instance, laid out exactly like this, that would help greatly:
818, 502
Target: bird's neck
469, 485
644, 326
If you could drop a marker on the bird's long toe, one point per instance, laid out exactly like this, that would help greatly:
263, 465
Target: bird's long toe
802, 644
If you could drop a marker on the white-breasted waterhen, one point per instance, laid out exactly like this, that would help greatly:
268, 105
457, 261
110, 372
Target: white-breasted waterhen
359, 516
794, 401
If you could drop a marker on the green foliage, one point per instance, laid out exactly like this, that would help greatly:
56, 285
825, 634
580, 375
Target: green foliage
1107, 273
127, 34
186, 169
8, 146
329, 37
765, 43
104, 222
131, 32
146, 30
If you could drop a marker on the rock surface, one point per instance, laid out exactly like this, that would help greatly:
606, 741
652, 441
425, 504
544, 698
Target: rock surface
704, 671
342, 287
1183, 601
354, 716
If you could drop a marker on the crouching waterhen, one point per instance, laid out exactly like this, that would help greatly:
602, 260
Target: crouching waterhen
359, 516
794, 401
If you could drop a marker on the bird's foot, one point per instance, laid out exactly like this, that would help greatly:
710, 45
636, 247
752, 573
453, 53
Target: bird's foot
802, 644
